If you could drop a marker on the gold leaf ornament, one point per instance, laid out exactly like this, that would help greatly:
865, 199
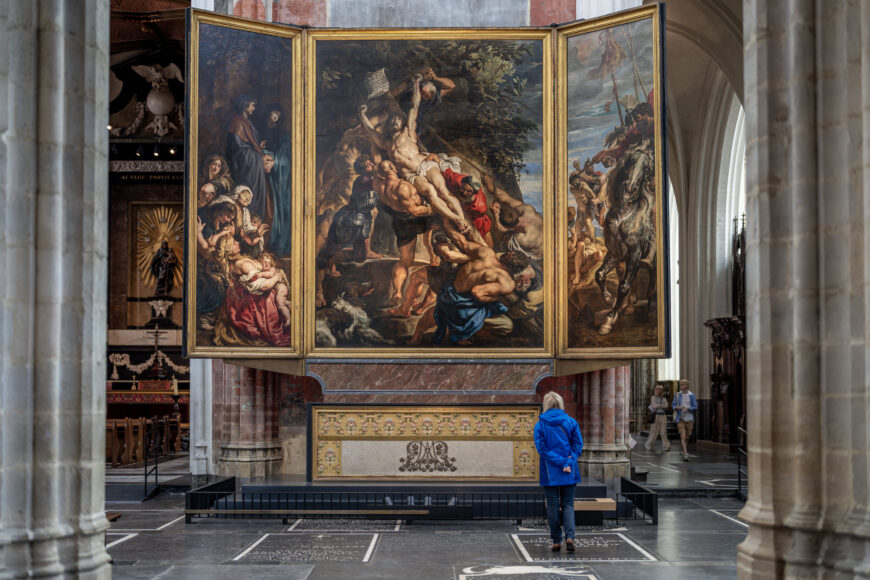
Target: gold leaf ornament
156, 226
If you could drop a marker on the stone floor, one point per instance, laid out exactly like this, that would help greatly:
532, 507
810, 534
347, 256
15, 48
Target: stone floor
705, 471
127, 483
170, 467
696, 537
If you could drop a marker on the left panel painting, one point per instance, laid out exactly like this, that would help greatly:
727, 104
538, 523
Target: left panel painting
243, 206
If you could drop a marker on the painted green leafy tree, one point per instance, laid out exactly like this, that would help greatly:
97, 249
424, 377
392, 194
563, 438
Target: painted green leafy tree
485, 118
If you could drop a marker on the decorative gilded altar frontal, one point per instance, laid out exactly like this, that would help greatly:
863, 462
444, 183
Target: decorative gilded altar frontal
414, 442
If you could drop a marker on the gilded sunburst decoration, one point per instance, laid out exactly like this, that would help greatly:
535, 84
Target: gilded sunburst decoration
155, 226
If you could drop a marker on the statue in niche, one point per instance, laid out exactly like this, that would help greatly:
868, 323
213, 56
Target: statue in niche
160, 101
163, 266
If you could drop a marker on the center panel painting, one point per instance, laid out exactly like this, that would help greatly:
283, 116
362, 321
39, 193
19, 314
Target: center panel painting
428, 193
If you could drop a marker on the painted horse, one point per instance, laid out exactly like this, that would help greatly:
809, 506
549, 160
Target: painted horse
629, 228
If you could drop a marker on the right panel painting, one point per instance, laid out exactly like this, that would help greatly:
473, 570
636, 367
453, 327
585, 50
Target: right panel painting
611, 180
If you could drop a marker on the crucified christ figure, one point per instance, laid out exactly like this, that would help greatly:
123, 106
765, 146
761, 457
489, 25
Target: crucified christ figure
422, 170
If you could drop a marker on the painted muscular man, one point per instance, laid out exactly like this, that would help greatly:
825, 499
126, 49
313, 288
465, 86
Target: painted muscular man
519, 225
585, 185
422, 172
472, 299
411, 217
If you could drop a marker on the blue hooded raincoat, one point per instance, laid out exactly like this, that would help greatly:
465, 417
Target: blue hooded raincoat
559, 443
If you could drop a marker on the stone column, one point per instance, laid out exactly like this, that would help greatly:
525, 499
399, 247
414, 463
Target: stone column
603, 412
54, 66
807, 78
244, 404
642, 380
201, 449
201, 453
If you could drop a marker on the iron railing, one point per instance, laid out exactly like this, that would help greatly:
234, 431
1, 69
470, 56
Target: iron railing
223, 503
152, 451
644, 501
224, 500
742, 464
159, 440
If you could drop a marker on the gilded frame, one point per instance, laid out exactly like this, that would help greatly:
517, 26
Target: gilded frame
661, 349
196, 18
313, 37
448, 414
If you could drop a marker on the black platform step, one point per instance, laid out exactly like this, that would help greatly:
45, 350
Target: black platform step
424, 500
584, 490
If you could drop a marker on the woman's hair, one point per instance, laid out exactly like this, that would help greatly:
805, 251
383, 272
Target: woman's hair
220, 259
553, 400
225, 169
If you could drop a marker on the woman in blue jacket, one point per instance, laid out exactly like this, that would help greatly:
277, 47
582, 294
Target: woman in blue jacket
559, 443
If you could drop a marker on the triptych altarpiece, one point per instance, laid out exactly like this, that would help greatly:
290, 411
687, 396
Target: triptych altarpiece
429, 193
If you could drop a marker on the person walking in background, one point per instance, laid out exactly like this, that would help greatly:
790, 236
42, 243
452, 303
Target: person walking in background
685, 404
559, 444
658, 405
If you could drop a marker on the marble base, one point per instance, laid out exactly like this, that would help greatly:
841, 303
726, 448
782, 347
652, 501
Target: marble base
375, 380
605, 464
250, 459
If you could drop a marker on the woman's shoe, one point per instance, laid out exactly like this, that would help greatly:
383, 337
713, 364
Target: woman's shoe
556, 547
570, 545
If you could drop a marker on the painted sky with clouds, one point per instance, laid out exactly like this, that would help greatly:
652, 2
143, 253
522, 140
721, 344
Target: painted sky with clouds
589, 121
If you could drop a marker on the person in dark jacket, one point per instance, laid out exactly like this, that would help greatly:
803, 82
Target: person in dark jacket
559, 444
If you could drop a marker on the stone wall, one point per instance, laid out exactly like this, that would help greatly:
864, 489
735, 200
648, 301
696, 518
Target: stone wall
54, 63
807, 71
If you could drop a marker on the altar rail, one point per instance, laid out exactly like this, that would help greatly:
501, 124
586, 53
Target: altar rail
407, 502
644, 501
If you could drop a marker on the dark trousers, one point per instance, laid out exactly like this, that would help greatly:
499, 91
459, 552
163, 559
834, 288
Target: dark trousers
560, 496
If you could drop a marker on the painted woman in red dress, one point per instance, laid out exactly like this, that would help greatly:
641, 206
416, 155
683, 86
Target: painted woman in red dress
257, 316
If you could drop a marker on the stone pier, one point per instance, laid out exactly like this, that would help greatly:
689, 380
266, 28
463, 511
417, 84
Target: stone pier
807, 99
603, 412
245, 421
54, 67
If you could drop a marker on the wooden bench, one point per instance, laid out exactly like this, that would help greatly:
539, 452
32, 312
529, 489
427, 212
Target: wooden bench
595, 504
114, 441
590, 511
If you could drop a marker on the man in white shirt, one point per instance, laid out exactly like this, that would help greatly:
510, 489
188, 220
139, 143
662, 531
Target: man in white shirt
685, 405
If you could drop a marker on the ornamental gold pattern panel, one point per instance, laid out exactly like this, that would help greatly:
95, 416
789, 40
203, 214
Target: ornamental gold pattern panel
460, 442
328, 461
